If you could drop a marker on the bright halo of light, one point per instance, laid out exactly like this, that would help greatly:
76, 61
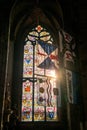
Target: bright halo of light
53, 74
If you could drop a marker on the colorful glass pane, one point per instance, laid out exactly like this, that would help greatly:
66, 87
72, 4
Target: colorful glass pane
26, 101
45, 99
39, 28
51, 109
33, 33
40, 91
28, 60
31, 38
46, 38
44, 33
40, 33
50, 42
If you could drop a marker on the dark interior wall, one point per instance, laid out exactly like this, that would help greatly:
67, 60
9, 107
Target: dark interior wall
75, 22
82, 49
4, 23
3, 53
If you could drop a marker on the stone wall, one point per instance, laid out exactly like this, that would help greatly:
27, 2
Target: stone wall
3, 53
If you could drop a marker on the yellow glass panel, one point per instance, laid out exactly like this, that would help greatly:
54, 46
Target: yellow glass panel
33, 33
44, 33
46, 38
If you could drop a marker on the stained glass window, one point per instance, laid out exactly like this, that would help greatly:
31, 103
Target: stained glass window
40, 84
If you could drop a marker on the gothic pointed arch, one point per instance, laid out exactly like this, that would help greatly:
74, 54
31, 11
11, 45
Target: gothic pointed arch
34, 30
24, 10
